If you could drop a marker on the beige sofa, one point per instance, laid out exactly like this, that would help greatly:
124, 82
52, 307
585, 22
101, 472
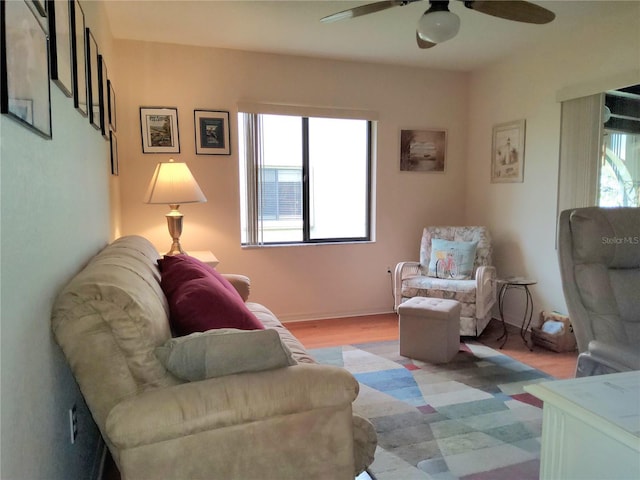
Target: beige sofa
294, 422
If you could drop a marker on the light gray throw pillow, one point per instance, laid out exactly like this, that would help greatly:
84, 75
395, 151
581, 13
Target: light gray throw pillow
223, 351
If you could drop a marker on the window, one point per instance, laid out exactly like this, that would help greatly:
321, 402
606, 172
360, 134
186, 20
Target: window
304, 179
620, 170
281, 193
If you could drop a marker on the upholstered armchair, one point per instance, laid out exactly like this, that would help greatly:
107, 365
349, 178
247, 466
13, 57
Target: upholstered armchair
599, 255
458, 268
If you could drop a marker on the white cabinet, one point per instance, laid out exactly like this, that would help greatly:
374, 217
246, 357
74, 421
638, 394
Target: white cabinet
590, 427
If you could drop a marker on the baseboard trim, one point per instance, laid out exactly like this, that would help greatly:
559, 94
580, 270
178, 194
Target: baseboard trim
310, 317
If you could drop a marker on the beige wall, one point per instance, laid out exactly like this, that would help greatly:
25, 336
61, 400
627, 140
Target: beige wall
55, 214
298, 282
522, 216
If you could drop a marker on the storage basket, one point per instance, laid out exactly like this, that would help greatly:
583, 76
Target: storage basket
559, 342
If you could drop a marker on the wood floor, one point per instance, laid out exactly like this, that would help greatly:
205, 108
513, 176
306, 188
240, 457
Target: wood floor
374, 328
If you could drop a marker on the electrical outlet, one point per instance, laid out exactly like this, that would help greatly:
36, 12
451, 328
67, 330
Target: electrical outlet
73, 424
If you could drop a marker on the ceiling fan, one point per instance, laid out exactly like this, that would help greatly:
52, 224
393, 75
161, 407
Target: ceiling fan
438, 24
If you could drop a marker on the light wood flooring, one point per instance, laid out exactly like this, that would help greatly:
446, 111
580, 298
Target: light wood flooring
374, 328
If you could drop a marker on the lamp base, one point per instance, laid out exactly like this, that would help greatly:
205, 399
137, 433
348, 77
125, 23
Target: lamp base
174, 223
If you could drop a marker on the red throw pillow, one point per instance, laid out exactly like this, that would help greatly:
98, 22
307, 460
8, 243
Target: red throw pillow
201, 299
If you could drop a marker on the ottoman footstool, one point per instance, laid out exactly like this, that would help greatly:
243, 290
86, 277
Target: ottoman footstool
429, 329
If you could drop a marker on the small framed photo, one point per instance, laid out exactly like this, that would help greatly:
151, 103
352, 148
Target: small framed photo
40, 7
60, 44
104, 97
159, 129
93, 80
25, 94
507, 152
111, 100
212, 132
423, 150
78, 58
115, 168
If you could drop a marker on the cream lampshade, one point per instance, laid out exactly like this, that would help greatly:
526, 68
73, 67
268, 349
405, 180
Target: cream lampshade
173, 184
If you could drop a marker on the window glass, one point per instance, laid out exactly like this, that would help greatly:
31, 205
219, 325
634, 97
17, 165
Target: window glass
304, 179
620, 170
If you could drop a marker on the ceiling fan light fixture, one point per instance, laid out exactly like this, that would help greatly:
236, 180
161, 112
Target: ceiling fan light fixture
438, 26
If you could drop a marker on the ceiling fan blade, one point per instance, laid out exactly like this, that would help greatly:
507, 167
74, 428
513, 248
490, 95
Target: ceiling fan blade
364, 10
517, 10
423, 43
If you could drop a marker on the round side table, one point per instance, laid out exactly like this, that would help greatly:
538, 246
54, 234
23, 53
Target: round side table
519, 283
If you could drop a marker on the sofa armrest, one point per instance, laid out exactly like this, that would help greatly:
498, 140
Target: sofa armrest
241, 283
403, 270
485, 290
186, 409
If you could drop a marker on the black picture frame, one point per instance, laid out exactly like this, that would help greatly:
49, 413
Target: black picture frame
113, 140
212, 132
104, 97
112, 105
78, 58
40, 7
159, 130
60, 49
93, 88
25, 93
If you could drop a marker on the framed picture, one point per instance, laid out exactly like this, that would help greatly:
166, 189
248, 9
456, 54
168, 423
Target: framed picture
423, 150
115, 168
159, 129
93, 83
60, 50
40, 7
104, 97
111, 102
212, 132
78, 58
507, 152
25, 93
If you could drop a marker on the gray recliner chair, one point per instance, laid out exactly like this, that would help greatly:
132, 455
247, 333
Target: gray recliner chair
599, 254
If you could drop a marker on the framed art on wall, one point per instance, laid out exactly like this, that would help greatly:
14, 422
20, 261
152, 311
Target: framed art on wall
111, 102
212, 132
40, 7
104, 97
115, 168
507, 152
423, 150
60, 44
93, 87
159, 130
78, 58
25, 93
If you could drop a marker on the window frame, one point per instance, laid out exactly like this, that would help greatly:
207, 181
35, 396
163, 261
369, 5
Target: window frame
253, 144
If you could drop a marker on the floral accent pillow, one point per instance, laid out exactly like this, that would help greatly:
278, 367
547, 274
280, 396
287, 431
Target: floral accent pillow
452, 260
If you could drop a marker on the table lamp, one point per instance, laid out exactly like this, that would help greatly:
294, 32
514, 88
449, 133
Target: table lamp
173, 184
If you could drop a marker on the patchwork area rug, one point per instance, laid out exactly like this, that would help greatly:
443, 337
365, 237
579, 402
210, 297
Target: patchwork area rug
468, 419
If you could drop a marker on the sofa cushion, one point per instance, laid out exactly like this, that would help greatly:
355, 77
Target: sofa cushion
201, 299
270, 321
224, 351
462, 254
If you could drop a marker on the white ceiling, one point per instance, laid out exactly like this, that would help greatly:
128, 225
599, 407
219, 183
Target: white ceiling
293, 27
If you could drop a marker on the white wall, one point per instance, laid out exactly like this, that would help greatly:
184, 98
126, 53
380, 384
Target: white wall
297, 282
55, 214
522, 216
